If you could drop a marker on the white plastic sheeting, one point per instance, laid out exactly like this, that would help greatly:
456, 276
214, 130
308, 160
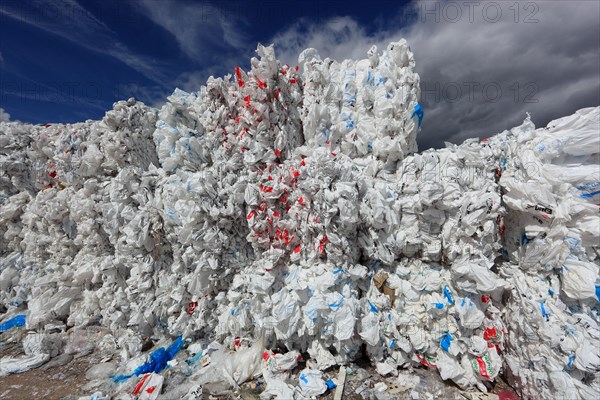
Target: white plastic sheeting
291, 207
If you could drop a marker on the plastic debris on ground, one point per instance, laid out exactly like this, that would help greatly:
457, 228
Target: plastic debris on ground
279, 223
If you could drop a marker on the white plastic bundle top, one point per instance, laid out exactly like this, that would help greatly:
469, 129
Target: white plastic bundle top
550, 181
244, 121
362, 107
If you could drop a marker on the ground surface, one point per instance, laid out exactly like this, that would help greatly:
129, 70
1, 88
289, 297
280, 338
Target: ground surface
64, 378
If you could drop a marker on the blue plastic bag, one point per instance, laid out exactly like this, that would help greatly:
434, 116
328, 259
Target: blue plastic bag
445, 341
448, 295
157, 362
18, 320
419, 113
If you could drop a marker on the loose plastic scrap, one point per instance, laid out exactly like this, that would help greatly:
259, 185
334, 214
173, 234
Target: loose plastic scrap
157, 361
16, 321
419, 113
149, 387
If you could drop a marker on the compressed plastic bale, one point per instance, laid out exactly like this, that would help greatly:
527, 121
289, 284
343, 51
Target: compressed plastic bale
542, 301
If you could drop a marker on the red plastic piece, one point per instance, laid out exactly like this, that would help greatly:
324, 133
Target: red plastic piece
490, 333
505, 394
191, 307
140, 384
238, 75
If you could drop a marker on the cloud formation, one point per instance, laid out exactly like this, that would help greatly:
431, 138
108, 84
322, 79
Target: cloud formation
204, 33
483, 65
71, 21
4, 116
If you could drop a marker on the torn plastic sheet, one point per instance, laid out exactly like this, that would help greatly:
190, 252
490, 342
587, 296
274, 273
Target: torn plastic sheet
13, 365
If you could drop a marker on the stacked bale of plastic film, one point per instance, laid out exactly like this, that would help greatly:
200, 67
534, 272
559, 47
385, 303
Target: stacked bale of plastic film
303, 289
551, 192
363, 107
434, 297
214, 144
33, 238
120, 226
306, 286
16, 191
312, 216
61, 238
129, 275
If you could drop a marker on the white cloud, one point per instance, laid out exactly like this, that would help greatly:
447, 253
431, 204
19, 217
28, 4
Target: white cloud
554, 61
4, 116
71, 21
205, 33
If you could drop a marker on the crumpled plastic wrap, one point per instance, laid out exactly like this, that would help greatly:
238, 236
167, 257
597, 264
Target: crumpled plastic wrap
289, 206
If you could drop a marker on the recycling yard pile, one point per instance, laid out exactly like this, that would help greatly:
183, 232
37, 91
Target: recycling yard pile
279, 222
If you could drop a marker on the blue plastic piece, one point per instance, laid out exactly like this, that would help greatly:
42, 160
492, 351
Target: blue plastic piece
18, 320
544, 312
590, 195
572, 242
338, 304
598, 292
195, 359
330, 384
419, 113
439, 306
571, 358
445, 341
373, 308
157, 362
448, 295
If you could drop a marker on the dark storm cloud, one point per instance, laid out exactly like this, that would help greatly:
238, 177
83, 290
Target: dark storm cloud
483, 65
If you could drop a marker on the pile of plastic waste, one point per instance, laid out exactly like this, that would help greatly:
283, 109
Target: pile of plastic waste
279, 222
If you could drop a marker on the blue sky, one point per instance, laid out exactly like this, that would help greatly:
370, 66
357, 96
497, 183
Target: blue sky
482, 65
